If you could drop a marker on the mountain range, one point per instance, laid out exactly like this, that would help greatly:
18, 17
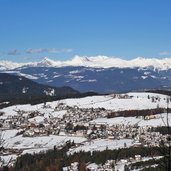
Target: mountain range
100, 74
95, 62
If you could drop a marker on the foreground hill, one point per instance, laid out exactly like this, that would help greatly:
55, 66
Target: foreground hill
166, 92
20, 87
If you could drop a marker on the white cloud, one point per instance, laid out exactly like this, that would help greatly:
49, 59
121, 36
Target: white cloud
47, 50
12, 52
54, 50
165, 53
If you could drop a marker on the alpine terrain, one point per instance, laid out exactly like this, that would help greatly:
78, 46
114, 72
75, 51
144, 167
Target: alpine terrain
100, 74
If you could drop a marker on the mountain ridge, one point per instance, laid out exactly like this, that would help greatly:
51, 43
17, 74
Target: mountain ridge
95, 62
100, 80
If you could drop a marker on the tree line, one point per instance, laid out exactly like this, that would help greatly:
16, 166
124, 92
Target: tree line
55, 160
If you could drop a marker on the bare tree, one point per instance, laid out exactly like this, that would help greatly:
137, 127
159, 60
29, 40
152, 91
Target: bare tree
168, 143
1, 147
165, 146
164, 149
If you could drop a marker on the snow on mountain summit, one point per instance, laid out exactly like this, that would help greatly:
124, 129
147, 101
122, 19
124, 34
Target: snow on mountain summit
156, 63
46, 62
107, 62
4, 65
94, 61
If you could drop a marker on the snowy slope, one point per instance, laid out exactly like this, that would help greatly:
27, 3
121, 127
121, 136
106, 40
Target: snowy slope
134, 101
45, 142
160, 120
102, 144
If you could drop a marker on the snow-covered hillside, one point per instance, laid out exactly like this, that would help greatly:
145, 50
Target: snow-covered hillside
159, 120
95, 61
29, 135
129, 101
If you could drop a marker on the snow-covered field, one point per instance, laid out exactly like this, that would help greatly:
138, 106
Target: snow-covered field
160, 120
102, 144
44, 142
137, 101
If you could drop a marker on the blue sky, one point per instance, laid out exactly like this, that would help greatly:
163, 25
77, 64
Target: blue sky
60, 29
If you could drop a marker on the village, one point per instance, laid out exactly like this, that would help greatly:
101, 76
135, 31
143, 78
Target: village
76, 121
84, 127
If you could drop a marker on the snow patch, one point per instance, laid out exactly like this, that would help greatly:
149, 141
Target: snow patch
49, 92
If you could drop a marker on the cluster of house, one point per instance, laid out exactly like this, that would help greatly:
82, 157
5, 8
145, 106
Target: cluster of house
77, 121
109, 165
35, 123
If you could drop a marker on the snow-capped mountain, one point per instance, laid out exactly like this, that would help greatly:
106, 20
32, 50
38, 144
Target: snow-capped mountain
99, 74
46, 62
108, 62
6, 65
96, 62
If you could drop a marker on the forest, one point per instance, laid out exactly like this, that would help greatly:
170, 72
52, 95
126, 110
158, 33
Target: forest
56, 159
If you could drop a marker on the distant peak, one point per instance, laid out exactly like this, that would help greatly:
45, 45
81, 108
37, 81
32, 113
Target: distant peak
46, 62
139, 58
45, 59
